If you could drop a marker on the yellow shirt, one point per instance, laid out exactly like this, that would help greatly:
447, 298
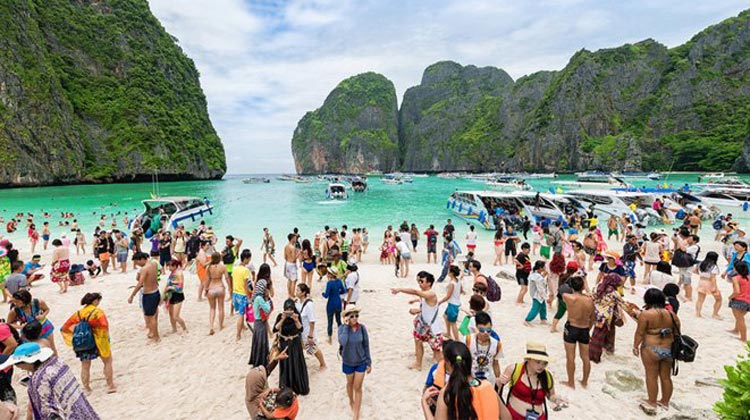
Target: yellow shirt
240, 276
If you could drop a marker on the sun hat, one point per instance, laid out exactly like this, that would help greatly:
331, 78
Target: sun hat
536, 351
27, 353
333, 271
611, 254
350, 310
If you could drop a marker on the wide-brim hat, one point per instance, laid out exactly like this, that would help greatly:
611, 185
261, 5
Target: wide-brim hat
27, 353
350, 310
333, 271
536, 351
611, 254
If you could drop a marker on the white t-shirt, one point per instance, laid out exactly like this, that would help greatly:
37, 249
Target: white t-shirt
482, 357
659, 279
352, 282
707, 274
307, 315
405, 239
471, 238
403, 248
692, 250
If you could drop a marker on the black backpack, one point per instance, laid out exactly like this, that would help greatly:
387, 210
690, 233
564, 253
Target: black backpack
227, 256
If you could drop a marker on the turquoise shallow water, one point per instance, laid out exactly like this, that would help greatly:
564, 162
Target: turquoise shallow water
244, 209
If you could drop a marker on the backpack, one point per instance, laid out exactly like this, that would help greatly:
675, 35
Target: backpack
718, 224
683, 347
494, 293
682, 259
433, 238
227, 256
83, 336
516, 376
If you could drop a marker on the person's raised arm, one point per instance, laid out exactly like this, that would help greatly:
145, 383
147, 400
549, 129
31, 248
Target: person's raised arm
421, 293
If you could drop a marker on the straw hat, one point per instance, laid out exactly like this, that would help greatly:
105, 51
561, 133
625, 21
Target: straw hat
611, 254
27, 353
536, 351
333, 271
350, 310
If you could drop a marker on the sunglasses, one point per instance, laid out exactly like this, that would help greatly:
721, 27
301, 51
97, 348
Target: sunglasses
354, 316
478, 290
485, 330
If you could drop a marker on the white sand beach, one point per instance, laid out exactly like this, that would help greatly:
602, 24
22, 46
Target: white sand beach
196, 376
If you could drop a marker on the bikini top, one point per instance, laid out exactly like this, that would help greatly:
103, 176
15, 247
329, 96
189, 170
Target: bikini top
523, 392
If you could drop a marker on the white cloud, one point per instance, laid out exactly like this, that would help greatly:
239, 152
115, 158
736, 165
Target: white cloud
264, 63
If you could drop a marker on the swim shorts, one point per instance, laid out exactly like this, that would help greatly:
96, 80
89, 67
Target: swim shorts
348, 370
589, 251
290, 271
451, 312
612, 232
45, 237
103, 256
434, 340
431, 249
573, 334
239, 302
686, 276
151, 303
122, 257
522, 278
176, 298
629, 269
545, 251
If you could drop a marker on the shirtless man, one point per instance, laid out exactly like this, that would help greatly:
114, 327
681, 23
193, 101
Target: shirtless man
148, 280
291, 255
581, 317
612, 225
695, 223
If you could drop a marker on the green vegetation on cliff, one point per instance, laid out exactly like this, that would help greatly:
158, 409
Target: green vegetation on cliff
354, 130
93, 91
639, 106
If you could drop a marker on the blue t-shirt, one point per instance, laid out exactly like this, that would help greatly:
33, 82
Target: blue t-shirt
29, 266
334, 289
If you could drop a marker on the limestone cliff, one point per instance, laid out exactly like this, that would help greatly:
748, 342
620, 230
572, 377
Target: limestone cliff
639, 106
354, 131
97, 91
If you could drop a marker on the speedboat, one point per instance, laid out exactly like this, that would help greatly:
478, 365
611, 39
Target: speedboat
726, 200
359, 184
535, 176
602, 203
449, 175
481, 207
726, 182
302, 180
256, 180
285, 177
642, 203
654, 176
540, 206
336, 192
594, 180
168, 212
508, 184
392, 179
710, 176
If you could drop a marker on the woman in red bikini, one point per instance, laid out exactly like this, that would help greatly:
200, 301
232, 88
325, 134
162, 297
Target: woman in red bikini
530, 385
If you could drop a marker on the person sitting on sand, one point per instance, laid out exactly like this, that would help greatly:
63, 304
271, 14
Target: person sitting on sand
286, 405
256, 383
472, 398
581, 317
653, 343
427, 325
96, 318
32, 269
538, 293
148, 280
530, 384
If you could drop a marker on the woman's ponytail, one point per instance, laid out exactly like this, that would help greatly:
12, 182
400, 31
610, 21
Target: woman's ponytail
458, 396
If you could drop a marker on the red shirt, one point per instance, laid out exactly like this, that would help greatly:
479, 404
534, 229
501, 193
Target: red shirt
744, 294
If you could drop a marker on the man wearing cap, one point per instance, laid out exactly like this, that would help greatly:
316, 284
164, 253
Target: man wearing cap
54, 391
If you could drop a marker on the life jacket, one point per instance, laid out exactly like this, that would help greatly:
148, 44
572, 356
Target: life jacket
438, 377
517, 370
484, 400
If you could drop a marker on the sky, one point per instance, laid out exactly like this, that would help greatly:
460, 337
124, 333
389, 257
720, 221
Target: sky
264, 64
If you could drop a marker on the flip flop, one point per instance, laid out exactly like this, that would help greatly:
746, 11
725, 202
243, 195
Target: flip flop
647, 409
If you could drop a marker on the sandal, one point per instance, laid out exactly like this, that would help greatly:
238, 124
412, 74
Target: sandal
648, 409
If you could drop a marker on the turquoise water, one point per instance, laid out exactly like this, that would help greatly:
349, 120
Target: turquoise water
244, 209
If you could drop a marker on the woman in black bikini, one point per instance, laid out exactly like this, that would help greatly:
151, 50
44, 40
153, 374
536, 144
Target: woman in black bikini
653, 343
